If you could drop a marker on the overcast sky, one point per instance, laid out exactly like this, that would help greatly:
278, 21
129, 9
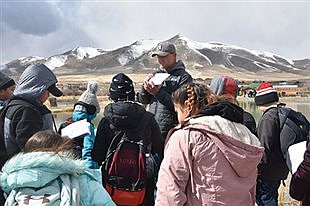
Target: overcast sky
44, 28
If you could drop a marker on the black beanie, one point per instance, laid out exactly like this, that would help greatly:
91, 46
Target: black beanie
5, 81
121, 88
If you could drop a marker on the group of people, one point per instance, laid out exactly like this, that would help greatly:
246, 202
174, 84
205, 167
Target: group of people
206, 149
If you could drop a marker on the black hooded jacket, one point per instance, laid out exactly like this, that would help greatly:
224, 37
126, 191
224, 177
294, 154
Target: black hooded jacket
273, 165
124, 116
224, 109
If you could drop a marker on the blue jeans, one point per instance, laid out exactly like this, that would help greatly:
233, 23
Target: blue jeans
267, 192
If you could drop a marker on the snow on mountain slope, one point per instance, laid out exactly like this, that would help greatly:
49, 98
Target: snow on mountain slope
137, 49
195, 55
85, 52
30, 59
232, 49
56, 61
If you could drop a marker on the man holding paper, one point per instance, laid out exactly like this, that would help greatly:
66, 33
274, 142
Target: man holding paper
157, 88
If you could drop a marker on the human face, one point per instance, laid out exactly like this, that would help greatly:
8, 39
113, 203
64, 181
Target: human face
182, 113
6, 94
44, 96
167, 61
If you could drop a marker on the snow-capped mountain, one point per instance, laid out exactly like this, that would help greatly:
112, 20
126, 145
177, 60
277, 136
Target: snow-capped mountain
197, 56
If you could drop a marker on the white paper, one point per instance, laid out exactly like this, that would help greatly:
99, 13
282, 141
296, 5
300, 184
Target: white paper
158, 78
76, 129
295, 155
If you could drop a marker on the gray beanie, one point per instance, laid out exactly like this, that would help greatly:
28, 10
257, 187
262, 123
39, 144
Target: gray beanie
221, 85
5, 81
89, 99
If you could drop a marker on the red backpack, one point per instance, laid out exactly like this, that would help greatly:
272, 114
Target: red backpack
125, 166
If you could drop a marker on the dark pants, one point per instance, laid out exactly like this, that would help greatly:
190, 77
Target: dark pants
267, 192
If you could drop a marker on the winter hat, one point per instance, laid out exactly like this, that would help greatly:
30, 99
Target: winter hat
88, 101
121, 88
5, 81
224, 85
266, 94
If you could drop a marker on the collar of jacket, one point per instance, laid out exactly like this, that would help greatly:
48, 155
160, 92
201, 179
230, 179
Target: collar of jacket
224, 109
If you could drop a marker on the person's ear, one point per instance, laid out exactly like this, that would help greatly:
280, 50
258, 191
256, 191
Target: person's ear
188, 108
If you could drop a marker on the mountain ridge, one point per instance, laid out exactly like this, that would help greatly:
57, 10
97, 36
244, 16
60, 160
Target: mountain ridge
207, 59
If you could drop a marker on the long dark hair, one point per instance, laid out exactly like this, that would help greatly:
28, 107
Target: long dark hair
48, 141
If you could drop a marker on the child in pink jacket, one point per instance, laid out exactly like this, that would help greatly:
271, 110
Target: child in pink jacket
210, 158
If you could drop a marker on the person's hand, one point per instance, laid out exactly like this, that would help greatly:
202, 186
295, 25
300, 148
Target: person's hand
147, 79
149, 85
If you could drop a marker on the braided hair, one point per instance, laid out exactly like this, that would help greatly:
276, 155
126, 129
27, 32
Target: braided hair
195, 96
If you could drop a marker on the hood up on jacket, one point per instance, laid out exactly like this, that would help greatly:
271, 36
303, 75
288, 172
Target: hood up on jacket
34, 81
124, 115
36, 169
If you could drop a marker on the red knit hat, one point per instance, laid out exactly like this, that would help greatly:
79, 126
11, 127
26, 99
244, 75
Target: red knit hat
266, 94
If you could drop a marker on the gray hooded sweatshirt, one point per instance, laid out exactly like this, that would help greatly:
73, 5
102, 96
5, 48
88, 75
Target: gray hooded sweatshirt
25, 114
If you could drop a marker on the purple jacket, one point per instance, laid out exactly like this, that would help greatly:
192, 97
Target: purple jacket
300, 182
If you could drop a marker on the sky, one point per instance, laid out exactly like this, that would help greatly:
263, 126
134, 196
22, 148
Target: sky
45, 28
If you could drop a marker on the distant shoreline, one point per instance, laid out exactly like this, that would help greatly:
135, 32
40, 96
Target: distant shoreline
65, 103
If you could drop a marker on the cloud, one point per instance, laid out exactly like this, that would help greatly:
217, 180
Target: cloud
45, 28
36, 18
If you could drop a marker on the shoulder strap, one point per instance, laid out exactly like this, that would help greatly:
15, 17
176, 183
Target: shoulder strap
283, 113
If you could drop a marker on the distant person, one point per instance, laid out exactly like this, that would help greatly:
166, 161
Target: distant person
125, 116
272, 168
228, 88
159, 96
7, 86
25, 113
210, 158
46, 173
87, 107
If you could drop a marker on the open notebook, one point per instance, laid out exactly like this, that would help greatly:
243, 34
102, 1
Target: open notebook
159, 78
76, 129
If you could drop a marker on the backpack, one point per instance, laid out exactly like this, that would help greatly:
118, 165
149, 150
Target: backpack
125, 169
294, 128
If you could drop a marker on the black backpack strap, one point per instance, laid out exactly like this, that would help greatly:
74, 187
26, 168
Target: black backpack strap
283, 113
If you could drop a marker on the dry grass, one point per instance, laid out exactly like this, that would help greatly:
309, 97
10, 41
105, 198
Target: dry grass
106, 78
196, 73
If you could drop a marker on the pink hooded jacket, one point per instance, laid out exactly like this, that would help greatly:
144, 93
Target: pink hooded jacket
209, 161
